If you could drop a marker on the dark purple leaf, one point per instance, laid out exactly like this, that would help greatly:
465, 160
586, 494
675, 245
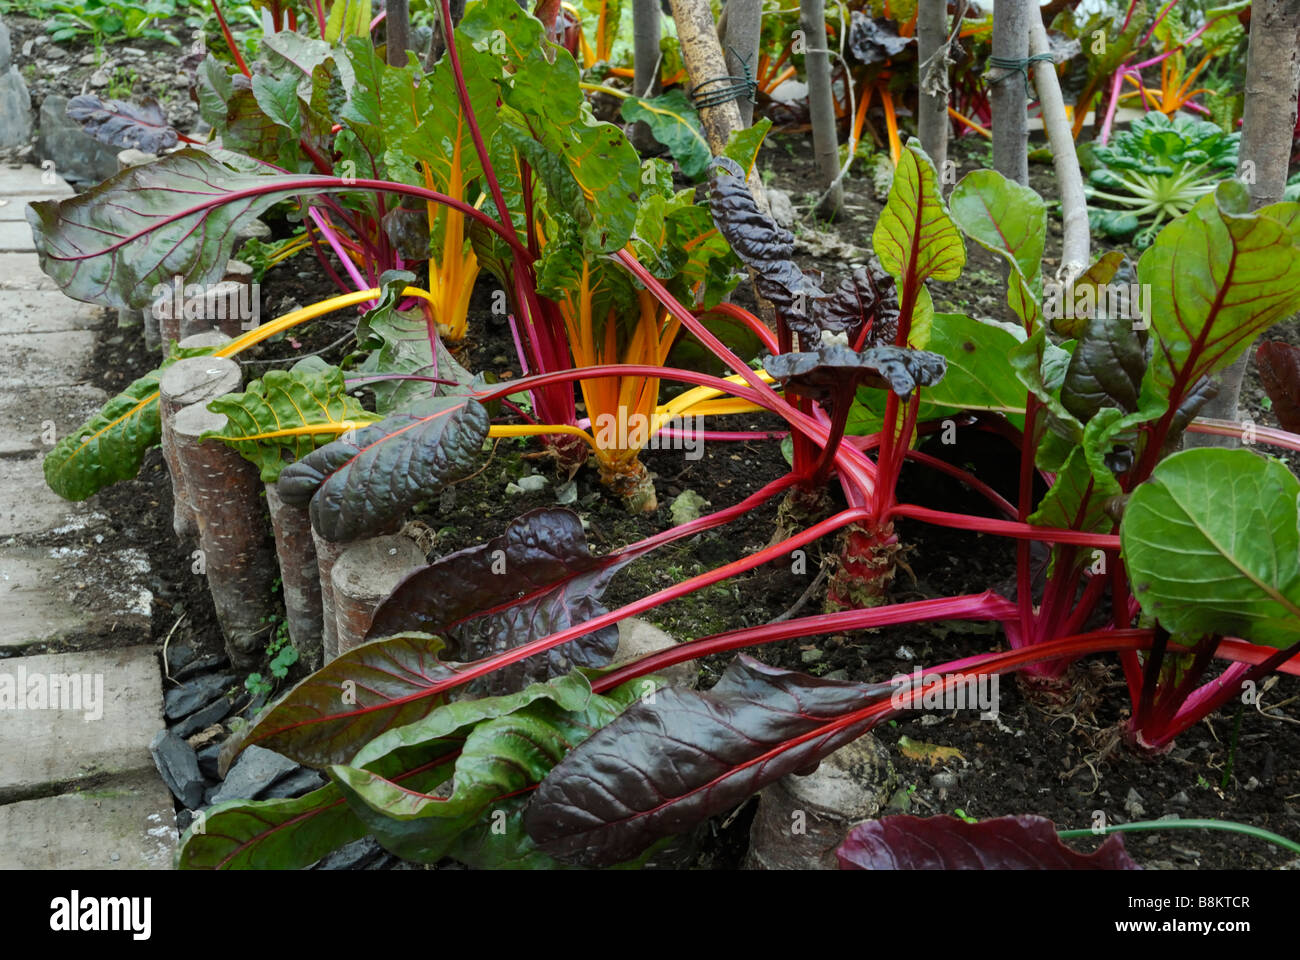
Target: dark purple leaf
408, 232
1105, 370
834, 369
946, 843
761, 244
1279, 373
139, 124
356, 485
536, 579
662, 767
875, 40
869, 294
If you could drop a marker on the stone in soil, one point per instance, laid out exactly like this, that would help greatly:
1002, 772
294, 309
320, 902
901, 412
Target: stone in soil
256, 769
214, 712
295, 785
77, 156
192, 696
352, 856
209, 757
105, 737
178, 766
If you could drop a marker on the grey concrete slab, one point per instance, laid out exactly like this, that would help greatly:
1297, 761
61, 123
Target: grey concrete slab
27, 505
16, 235
59, 741
45, 311
32, 181
52, 594
22, 271
125, 825
45, 359
34, 420
13, 208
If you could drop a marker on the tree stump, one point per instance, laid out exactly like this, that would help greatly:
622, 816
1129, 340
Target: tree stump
236, 555
364, 574
300, 575
802, 820
185, 310
327, 554
186, 382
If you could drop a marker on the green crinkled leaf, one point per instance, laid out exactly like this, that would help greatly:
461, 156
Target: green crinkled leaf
674, 123
510, 744
1077, 499
1212, 544
547, 104
347, 18
1067, 308
1117, 224
1105, 369
111, 445
270, 834
285, 399
403, 342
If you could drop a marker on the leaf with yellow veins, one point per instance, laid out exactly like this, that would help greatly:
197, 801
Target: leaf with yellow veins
287, 412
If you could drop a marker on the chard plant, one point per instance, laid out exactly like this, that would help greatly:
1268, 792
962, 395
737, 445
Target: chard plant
481, 720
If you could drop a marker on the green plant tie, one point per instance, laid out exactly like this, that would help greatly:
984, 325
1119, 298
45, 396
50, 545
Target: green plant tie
739, 88
1014, 65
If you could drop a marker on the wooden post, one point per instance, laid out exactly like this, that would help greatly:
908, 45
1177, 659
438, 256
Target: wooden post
1267, 125
186, 382
646, 31
366, 573
237, 557
327, 554
1007, 90
821, 108
300, 576
1075, 252
226, 306
397, 31
744, 23
801, 820
697, 35
932, 123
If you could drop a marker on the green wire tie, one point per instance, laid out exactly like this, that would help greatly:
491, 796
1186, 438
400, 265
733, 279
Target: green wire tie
1015, 65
